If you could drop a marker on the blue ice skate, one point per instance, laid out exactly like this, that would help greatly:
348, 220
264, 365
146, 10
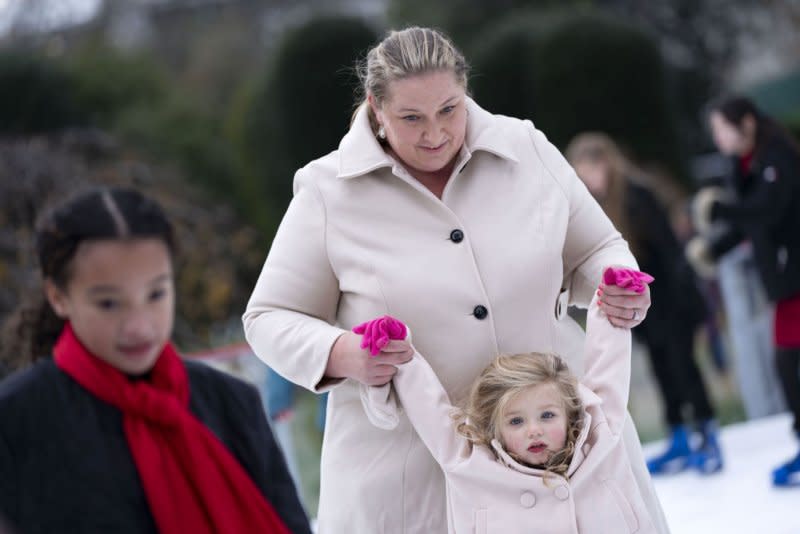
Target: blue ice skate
787, 475
707, 459
676, 457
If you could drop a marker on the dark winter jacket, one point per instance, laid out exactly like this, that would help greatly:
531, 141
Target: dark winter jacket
677, 304
767, 212
65, 466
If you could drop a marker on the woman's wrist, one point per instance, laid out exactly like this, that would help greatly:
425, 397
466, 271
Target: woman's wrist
337, 367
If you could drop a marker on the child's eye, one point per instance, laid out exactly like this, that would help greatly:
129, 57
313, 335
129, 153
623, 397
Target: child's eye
157, 294
515, 421
107, 304
548, 415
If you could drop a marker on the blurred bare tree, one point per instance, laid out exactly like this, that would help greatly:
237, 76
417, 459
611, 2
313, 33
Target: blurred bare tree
717, 35
716, 47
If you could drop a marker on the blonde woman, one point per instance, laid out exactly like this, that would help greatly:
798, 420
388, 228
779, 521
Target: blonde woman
470, 226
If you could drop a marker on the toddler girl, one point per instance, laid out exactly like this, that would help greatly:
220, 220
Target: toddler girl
533, 449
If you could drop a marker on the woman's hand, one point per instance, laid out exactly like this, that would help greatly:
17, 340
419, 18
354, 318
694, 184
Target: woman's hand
624, 308
349, 360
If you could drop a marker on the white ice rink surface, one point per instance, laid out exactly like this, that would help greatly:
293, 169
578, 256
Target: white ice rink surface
741, 498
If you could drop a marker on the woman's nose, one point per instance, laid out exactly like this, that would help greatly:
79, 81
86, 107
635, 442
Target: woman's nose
432, 131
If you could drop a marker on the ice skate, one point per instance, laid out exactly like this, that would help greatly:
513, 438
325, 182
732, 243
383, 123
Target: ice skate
707, 459
675, 458
787, 475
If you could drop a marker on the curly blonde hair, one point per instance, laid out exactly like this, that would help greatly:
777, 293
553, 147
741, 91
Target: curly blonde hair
501, 381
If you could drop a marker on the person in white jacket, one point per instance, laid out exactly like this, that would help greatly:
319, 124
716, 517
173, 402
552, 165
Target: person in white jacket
455, 219
533, 449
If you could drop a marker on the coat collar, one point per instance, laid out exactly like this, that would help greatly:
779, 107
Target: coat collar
360, 153
511, 463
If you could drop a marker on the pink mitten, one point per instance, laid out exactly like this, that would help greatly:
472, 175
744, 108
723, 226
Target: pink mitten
378, 332
627, 278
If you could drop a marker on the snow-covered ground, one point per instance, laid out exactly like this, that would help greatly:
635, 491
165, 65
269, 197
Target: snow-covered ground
741, 498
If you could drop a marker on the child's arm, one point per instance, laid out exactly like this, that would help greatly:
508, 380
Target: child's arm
607, 367
428, 407
415, 389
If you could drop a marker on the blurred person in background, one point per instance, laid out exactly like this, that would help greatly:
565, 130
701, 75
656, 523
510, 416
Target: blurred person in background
734, 283
682, 224
625, 193
764, 209
108, 429
469, 227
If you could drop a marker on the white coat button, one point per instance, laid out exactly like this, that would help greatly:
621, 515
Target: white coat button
562, 493
527, 499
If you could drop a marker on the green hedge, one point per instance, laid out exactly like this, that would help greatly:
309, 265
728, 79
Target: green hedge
464, 20
91, 87
36, 95
504, 69
301, 107
571, 72
109, 83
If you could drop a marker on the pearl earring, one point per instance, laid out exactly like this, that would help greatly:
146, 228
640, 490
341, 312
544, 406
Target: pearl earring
381, 133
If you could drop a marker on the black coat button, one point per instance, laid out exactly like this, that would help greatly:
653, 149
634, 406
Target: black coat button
456, 236
480, 312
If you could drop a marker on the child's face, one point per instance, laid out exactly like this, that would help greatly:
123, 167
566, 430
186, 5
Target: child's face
534, 424
120, 301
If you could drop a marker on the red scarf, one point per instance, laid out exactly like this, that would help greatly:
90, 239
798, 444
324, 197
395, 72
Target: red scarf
746, 161
192, 483
787, 322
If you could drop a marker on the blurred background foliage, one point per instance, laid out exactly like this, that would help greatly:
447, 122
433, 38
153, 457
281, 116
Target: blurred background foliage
572, 71
212, 106
301, 104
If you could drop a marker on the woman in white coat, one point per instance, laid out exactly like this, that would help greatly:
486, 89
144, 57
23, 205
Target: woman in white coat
469, 227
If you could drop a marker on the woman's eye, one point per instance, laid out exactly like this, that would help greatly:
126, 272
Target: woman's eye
411, 118
515, 421
448, 109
